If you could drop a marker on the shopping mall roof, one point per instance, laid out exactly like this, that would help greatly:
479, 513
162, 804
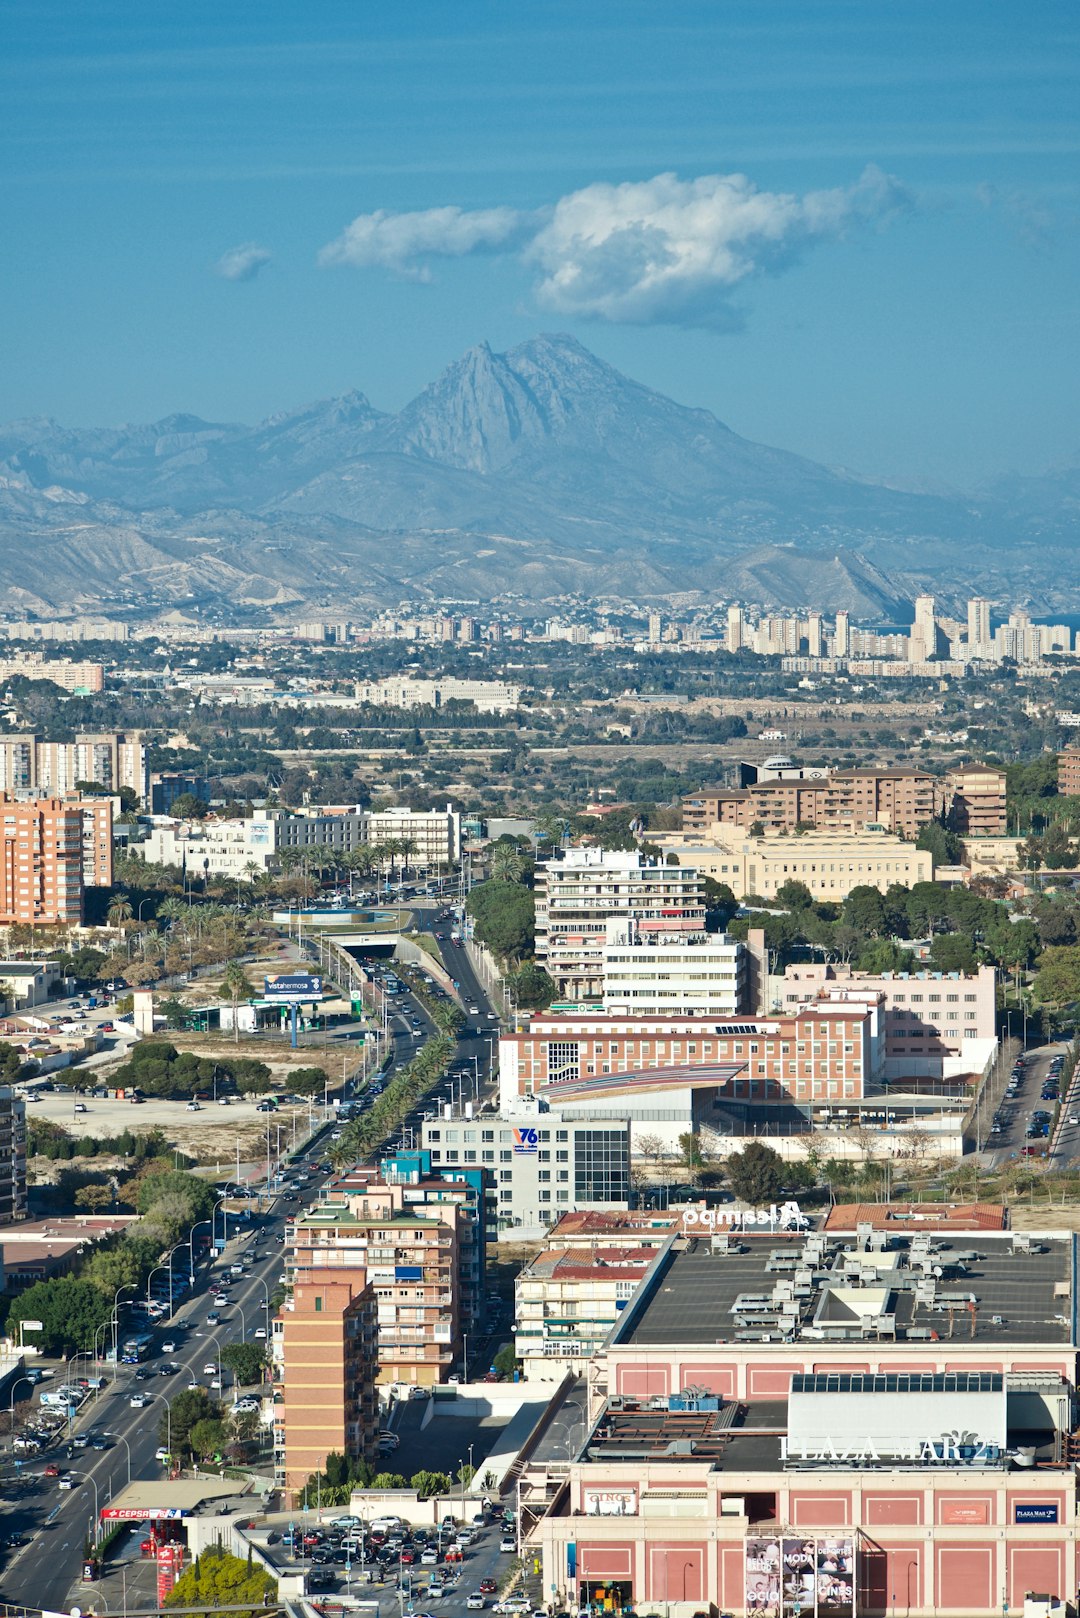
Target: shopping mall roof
911, 1287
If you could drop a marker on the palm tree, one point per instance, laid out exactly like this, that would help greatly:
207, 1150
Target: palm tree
172, 909
508, 863
234, 981
120, 912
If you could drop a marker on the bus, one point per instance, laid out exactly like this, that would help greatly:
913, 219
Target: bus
133, 1350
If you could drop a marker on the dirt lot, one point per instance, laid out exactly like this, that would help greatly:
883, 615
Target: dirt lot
211, 1136
1041, 1216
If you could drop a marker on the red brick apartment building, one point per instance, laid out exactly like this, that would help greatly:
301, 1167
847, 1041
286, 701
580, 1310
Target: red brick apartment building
51, 850
845, 800
328, 1346
1068, 778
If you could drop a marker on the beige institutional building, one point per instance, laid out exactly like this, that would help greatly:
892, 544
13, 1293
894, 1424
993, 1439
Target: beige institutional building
829, 863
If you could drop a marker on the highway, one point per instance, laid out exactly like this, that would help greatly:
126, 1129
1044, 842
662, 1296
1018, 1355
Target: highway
43, 1572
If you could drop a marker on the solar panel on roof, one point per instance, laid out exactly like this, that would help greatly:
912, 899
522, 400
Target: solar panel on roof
897, 1382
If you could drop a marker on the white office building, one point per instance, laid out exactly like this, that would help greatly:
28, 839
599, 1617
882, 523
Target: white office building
543, 1163
650, 975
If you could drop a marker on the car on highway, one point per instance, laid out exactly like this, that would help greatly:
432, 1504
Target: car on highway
476, 1602
507, 1544
138, 1401
52, 1470
66, 1480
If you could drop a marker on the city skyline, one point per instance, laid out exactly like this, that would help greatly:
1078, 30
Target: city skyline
850, 235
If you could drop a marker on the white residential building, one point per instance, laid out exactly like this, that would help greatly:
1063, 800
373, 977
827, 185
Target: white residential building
565, 1303
434, 834
111, 759
578, 895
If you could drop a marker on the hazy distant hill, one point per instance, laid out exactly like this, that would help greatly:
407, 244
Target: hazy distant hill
536, 472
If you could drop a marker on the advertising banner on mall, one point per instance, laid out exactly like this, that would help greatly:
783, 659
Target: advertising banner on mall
800, 1577
836, 1578
763, 1578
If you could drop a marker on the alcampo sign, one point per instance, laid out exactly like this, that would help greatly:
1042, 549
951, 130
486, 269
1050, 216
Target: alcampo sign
788, 1216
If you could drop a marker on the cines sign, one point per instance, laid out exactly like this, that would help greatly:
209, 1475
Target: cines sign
788, 1216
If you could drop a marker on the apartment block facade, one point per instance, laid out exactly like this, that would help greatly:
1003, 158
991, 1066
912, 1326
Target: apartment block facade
975, 795
1068, 779
109, 759
578, 895
325, 1346
923, 1014
41, 861
411, 1261
903, 801
425, 1189
433, 835
13, 1205
567, 1300
61, 671
694, 972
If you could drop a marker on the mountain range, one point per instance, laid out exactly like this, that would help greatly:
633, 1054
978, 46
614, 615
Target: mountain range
527, 475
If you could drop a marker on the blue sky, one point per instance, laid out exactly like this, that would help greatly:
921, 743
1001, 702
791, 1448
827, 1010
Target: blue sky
231, 209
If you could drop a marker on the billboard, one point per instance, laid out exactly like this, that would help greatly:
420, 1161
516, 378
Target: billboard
610, 1502
800, 1578
290, 986
526, 1141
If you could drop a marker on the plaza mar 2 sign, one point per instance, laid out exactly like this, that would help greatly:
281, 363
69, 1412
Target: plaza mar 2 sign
949, 1449
788, 1216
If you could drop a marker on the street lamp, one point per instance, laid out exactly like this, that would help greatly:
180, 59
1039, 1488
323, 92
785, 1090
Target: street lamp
220, 1203
11, 1405
127, 1446
167, 1265
128, 1286
168, 1419
88, 1477
190, 1244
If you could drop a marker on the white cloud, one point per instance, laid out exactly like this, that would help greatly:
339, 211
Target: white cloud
674, 250
649, 251
400, 242
243, 263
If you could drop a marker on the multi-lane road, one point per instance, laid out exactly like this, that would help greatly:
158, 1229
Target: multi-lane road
1009, 1139
42, 1572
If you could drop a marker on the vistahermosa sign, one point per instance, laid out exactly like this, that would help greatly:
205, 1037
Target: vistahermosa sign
788, 1216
